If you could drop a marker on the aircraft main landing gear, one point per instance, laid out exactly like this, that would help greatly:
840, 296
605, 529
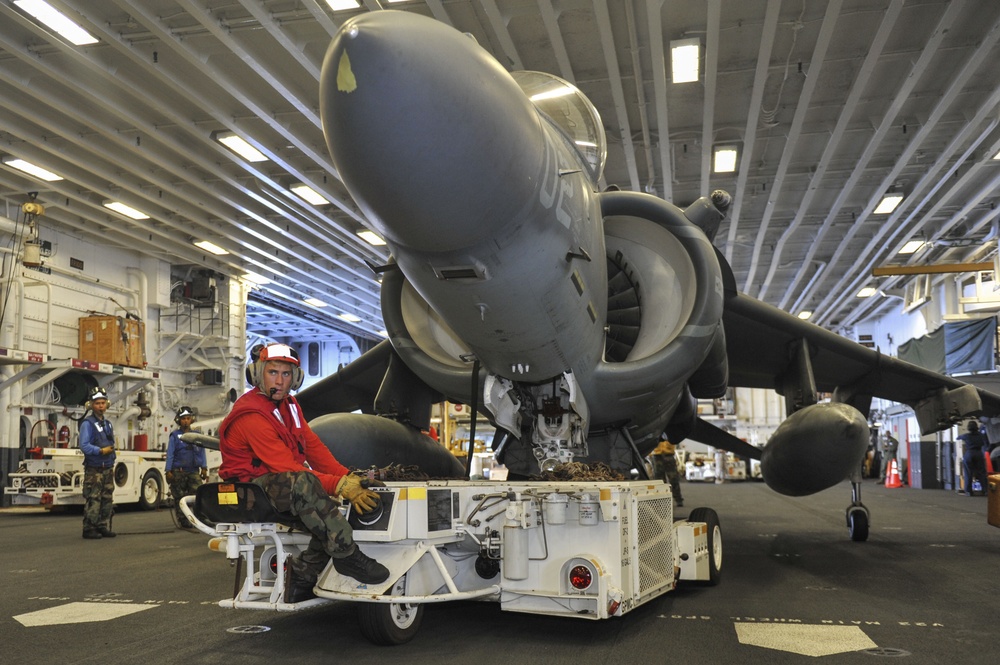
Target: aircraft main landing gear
857, 515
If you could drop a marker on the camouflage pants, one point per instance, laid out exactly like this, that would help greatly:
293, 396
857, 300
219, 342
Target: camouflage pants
185, 483
98, 494
665, 468
301, 494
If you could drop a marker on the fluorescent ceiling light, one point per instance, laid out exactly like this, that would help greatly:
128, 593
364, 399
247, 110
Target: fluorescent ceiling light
32, 169
996, 156
350, 318
724, 160
805, 315
210, 247
912, 247
866, 292
371, 238
888, 204
123, 209
383, 333
315, 302
256, 279
340, 5
58, 21
684, 54
240, 146
308, 194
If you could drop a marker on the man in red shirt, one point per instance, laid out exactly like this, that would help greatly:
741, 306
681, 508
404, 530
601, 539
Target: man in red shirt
265, 440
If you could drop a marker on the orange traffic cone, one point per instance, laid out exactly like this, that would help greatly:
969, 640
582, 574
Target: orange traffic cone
892, 478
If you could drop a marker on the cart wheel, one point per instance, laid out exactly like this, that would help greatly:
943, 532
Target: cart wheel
711, 518
390, 624
150, 491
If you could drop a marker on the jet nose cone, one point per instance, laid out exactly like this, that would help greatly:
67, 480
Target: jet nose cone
430, 134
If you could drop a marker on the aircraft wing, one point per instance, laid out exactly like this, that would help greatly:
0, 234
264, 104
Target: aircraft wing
352, 388
764, 342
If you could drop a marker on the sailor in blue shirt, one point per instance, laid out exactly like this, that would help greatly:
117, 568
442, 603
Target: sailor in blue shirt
973, 460
97, 441
186, 466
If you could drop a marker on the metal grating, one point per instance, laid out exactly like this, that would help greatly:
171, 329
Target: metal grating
655, 541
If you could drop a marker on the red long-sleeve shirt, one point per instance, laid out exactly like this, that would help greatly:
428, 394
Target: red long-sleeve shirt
258, 437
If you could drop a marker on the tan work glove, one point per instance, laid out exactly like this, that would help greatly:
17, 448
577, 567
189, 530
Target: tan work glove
363, 499
107, 450
170, 476
204, 473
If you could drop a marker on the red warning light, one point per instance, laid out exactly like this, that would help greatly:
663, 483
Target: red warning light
580, 577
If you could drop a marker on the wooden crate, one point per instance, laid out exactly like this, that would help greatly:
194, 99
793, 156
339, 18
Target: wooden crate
113, 339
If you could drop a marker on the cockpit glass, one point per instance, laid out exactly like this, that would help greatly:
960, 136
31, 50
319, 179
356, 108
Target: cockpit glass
572, 112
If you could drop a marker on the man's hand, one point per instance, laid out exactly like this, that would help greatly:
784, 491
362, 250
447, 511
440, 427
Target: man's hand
363, 500
204, 473
107, 450
170, 476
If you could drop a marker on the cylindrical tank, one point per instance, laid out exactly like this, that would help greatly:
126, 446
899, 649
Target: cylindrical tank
588, 510
554, 508
515, 552
140, 442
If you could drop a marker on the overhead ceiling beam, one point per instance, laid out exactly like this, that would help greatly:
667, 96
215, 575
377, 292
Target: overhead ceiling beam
902, 96
753, 120
551, 22
833, 144
603, 20
791, 141
640, 95
657, 54
711, 77
948, 98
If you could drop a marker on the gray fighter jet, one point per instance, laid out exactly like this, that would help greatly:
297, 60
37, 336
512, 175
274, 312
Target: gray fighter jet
584, 324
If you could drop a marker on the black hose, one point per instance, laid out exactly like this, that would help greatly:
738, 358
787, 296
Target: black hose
475, 416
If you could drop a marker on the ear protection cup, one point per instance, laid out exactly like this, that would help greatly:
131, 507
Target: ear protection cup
252, 374
280, 352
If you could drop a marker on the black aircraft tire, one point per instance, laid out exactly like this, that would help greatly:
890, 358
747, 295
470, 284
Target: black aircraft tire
390, 624
150, 491
857, 522
711, 518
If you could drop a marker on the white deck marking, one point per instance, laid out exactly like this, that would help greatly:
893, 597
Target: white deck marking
804, 639
79, 613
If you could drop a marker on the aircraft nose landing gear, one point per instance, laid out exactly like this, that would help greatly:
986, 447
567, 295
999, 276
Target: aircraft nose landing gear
857, 514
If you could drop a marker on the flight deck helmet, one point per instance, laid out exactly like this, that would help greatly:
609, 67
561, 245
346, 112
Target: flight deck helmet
280, 352
182, 412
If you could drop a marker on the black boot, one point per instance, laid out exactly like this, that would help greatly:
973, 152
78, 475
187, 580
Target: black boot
297, 588
106, 532
92, 534
361, 567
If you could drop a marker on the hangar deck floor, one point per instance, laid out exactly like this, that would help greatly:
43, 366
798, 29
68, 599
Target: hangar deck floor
923, 587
